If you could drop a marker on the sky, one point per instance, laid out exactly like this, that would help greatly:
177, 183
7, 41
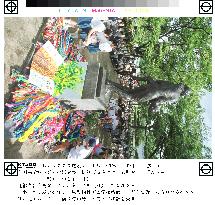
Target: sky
206, 103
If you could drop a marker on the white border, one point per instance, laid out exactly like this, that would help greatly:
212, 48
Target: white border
180, 172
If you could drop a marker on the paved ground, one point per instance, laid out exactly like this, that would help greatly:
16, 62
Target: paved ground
19, 35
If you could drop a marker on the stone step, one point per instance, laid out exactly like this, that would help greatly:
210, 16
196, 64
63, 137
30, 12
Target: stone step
91, 81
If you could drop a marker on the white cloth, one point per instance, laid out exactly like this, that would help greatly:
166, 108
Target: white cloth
101, 37
115, 122
97, 25
113, 104
105, 47
111, 113
79, 152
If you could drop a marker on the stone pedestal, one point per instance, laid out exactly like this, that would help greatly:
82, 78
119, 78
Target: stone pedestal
92, 96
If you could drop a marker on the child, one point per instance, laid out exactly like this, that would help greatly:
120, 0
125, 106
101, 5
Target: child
82, 151
90, 27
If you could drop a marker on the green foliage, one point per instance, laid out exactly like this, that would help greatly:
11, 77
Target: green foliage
67, 76
178, 50
92, 119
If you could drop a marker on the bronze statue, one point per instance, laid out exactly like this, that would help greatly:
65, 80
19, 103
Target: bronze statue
157, 92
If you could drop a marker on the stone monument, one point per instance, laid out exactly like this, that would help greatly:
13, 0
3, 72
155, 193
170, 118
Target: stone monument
91, 94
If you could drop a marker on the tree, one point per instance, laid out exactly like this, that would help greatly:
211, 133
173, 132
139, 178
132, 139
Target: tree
177, 50
174, 49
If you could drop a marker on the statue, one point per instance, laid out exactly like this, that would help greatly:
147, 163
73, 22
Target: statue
156, 92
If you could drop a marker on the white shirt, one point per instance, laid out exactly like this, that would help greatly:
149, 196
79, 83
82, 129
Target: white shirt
79, 152
97, 25
105, 47
101, 37
98, 37
111, 112
112, 103
115, 122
